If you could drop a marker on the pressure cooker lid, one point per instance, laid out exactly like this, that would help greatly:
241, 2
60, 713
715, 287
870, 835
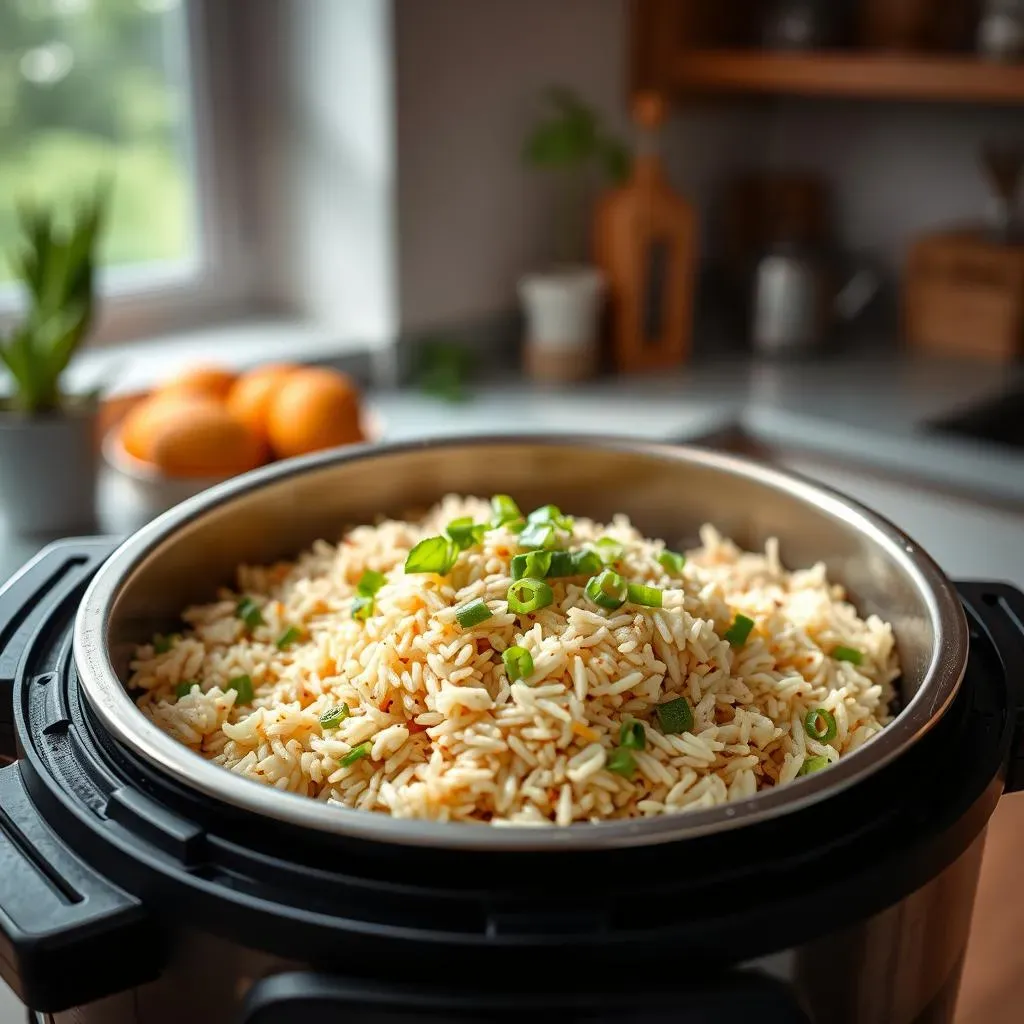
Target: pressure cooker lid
933, 627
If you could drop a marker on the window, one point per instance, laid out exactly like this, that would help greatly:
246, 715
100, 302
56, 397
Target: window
101, 88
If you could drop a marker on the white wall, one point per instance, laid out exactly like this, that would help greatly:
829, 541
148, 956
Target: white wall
471, 218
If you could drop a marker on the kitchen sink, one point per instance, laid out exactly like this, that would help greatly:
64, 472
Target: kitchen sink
998, 421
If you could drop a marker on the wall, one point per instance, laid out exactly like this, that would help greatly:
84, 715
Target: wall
468, 74
896, 169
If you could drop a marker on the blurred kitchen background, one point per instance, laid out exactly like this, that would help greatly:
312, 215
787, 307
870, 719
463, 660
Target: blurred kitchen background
789, 228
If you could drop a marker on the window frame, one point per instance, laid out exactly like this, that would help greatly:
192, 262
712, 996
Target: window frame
151, 300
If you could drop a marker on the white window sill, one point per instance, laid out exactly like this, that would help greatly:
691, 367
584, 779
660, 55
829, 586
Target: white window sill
126, 368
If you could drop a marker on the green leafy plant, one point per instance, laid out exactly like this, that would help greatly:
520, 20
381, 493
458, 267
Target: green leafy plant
443, 370
56, 264
571, 141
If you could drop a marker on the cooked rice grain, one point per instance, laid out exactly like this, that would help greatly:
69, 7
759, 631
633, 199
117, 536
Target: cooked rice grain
451, 739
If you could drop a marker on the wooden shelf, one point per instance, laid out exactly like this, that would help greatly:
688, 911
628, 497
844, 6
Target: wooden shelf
958, 79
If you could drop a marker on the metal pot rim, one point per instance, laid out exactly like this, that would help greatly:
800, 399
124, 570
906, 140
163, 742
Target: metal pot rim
127, 724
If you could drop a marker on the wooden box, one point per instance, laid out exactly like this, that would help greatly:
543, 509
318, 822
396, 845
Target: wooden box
963, 294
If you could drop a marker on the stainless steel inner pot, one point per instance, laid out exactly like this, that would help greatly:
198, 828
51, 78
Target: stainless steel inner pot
668, 491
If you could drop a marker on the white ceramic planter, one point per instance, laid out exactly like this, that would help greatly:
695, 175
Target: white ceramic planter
48, 473
562, 311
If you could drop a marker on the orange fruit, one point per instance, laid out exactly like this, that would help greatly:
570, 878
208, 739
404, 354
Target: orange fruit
251, 395
314, 408
213, 381
190, 435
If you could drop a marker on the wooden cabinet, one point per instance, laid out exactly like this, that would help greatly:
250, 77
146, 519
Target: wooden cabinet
707, 47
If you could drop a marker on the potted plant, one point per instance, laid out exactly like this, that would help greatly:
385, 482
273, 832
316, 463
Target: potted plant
47, 437
562, 304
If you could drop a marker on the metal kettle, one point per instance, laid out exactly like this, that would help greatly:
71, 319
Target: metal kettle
795, 304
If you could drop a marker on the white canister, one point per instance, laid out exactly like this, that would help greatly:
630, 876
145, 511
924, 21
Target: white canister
562, 310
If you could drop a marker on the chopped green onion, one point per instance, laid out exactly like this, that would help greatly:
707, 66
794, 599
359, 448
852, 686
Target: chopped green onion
609, 551
538, 535
434, 554
649, 597
813, 764
814, 729
362, 607
356, 754
551, 514
370, 582
242, 685
162, 644
472, 613
672, 562
850, 654
740, 629
622, 763
633, 735
534, 564
288, 637
184, 689
465, 533
518, 663
249, 612
607, 589
574, 563
334, 717
529, 595
675, 716
505, 510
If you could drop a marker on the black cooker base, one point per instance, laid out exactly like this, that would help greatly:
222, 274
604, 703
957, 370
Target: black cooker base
78, 810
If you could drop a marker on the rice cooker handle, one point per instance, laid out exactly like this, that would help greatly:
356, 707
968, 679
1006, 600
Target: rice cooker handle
67, 935
58, 574
998, 609
330, 999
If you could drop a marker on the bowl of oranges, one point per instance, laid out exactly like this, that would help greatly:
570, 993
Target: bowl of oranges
210, 424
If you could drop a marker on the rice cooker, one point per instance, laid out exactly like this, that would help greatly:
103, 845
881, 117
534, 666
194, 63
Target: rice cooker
140, 883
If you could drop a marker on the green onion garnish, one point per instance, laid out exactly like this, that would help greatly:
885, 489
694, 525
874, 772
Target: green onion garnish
504, 510
649, 597
249, 612
551, 514
472, 613
370, 582
434, 554
813, 764
607, 589
850, 654
574, 563
534, 564
334, 717
288, 637
672, 562
813, 728
356, 754
518, 663
609, 551
162, 644
740, 629
362, 607
465, 532
529, 595
622, 763
633, 735
538, 535
242, 685
184, 689
675, 716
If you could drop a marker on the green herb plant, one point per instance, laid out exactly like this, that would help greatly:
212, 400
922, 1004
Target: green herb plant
570, 141
56, 265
